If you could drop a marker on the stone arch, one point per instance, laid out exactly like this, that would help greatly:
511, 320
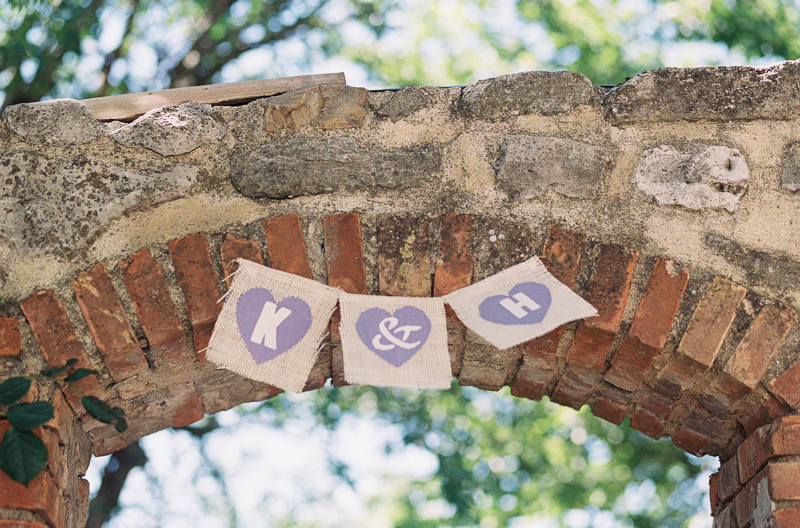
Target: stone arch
419, 193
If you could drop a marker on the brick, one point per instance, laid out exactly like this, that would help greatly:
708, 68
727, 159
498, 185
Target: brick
286, 246
63, 420
187, 409
696, 432
404, 264
651, 415
452, 273
786, 518
194, 270
18, 523
486, 367
574, 387
611, 403
783, 481
726, 518
83, 496
56, 338
750, 361
235, 247
651, 325
785, 440
608, 293
762, 411
729, 482
9, 337
713, 492
455, 269
108, 324
786, 387
561, 256
752, 454
750, 497
157, 314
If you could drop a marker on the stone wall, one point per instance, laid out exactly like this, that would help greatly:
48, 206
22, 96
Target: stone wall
670, 202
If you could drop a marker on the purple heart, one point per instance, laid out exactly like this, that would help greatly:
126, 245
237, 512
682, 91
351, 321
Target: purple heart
526, 303
394, 337
268, 328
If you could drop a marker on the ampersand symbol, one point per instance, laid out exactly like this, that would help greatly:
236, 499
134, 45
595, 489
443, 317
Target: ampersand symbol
386, 327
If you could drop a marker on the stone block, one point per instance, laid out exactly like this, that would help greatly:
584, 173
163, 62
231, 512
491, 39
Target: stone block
404, 262
529, 167
790, 175
327, 106
700, 177
406, 102
56, 122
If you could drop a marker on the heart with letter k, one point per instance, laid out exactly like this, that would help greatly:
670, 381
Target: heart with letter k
270, 328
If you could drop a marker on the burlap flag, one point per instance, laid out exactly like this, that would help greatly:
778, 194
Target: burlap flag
271, 326
517, 305
394, 341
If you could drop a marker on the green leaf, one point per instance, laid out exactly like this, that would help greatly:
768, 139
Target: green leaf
13, 389
57, 371
79, 374
22, 455
121, 425
98, 409
28, 416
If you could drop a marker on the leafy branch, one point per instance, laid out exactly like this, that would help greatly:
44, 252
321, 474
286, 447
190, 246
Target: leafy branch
23, 455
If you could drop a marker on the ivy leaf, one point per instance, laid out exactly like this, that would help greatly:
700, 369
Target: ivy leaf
28, 416
120, 424
57, 371
79, 374
13, 389
22, 455
104, 412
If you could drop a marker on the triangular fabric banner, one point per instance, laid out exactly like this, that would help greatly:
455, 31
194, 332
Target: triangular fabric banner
394, 341
517, 305
271, 326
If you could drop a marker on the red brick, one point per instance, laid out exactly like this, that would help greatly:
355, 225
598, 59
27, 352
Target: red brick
344, 258
762, 411
608, 293
234, 247
286, 246
404, 263
748, 499
750, 361
786, 518
16, 523
561, 256
785, 439
695, 434
752, 454
194, 270
783, 481
651, 415
56, 338
611, 403
83, 490
154, 307
713, 491
574, 387
187, 410
786, 387
108, 324
651, 325
40, 496
726, 518
9, 337
729, 482
454, 271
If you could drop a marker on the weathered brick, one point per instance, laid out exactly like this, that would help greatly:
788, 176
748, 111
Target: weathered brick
83, 496
763, 410
486, 367
786, 387
18, 523
187, 409
404, 263
749, 498
454, 272
696, 432
575, 385
611, 403
785, 438
786, 518
651, 414
561, 256
608, 293
9, 337
56, 338
108, 324
783, 481
154, 307
286, 246
752, 454
221, 389
726, 518
235, 247
651, 325
751, 359
729, 482
713, 492
63, 420
194, 270
344, 258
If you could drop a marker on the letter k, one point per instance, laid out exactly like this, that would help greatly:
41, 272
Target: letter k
266, 330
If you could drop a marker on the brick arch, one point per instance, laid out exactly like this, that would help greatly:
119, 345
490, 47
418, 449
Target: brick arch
680, 356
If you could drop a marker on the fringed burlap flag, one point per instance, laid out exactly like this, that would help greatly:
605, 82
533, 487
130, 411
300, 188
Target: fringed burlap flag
394, 341
271, 326
517, 305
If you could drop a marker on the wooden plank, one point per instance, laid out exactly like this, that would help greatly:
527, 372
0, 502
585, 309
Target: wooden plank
128, 107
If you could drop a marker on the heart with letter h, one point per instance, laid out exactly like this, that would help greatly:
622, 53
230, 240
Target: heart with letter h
396, 337
526, 303
270, 328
